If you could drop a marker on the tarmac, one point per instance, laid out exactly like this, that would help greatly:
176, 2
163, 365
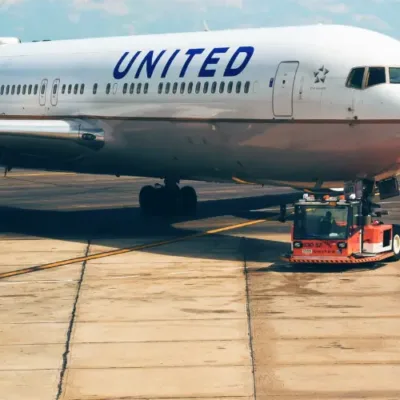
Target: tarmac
99, 302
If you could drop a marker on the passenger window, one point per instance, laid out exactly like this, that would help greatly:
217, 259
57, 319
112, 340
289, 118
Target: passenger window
167, 87
30, 89
64, 87
222, 87
356, 77
376, 76
139, 88
213, 87
76, 87
160, 88
2, 90
69, 89
125, 88
82, 88
132, 88
24, 89
247, 87
238, 87
230, 87
190, 87
8, 89
198, 86
55, 87
205, 88
174, 88
18, 89
108, 88
13, 89
95, 88
43, 89
183, 87
36, 89
146, 88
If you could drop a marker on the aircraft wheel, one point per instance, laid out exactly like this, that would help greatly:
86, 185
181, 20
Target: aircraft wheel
148, 199
188, 200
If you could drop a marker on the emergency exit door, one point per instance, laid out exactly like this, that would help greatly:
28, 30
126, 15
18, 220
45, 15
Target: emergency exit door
54, 92
282, 98
42, 92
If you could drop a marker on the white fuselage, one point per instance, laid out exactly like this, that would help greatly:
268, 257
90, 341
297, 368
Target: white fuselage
293, 121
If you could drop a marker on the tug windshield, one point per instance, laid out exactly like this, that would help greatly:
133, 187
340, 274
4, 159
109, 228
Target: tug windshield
394, 75
321, 222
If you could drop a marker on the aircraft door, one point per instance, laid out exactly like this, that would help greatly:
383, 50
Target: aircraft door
282, 97
54, 92
42, 92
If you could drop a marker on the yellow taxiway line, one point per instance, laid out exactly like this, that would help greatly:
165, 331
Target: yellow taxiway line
128, 249
19, 175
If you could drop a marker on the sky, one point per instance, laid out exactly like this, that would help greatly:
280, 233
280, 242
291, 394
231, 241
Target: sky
70, 19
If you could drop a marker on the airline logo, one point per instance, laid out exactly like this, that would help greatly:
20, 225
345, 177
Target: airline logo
320, 74
139, 64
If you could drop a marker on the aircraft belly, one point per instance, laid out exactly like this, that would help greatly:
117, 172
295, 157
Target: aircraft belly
286, 153
255, 152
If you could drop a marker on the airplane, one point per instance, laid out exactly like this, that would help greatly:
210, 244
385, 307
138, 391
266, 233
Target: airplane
307, 107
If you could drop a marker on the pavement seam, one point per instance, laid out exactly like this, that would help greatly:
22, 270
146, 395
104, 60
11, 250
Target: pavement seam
71, 326
248, 312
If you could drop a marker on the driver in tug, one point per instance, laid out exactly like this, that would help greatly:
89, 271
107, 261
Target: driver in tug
327, 224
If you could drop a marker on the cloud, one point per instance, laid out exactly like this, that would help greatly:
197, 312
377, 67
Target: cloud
330, 6
74, 17
373, 20
5, 4
227, 3
116, 7
121, 7
10, 2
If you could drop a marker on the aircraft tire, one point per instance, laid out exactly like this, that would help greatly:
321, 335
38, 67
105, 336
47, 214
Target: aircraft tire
188, 200
147, 199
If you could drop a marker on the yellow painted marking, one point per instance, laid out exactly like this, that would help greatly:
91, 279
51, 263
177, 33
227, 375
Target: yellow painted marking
241, 181
128, 250
11, 175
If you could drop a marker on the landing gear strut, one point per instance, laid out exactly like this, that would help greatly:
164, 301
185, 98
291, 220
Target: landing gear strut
282, 213
365, 191
168, 199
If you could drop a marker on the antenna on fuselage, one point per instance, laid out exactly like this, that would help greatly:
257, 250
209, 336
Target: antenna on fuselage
206, 28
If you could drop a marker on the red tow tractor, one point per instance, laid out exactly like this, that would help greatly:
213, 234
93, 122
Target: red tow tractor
338, 230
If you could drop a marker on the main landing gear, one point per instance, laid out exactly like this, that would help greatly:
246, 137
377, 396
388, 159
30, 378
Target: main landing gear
168, 199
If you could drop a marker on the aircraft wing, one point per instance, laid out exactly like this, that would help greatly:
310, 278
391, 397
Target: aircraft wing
30, 140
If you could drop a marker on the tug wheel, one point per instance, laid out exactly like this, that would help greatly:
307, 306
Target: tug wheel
396, 247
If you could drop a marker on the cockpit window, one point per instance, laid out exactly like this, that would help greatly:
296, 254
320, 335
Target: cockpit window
356, 77
394, 75
376, 76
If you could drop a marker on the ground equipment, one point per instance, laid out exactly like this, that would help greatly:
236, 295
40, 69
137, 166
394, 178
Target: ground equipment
338, 230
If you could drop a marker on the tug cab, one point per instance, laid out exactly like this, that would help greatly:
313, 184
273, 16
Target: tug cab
336, 230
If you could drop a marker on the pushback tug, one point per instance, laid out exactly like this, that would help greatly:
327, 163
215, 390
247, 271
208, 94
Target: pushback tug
340, 229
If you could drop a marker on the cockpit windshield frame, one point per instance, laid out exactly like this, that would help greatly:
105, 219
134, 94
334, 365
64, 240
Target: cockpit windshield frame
372, 76
394, 75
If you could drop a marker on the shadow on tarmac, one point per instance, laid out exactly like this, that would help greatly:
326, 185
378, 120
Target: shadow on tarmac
114, 227
283, 267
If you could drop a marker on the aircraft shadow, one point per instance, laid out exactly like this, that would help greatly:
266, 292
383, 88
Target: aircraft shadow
119, 227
